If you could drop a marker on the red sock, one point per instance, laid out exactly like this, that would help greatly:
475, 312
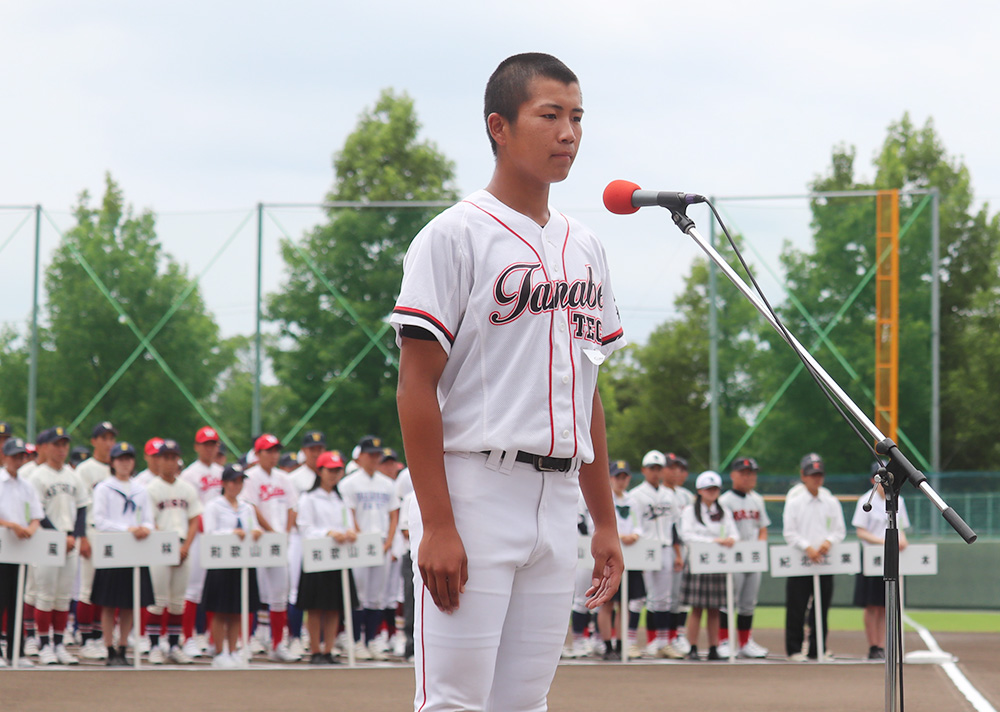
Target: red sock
278, 619
723, 634
650, 636
144, 617
84, 614
165, 622
59, 621
744, 637
188, 620
43, 621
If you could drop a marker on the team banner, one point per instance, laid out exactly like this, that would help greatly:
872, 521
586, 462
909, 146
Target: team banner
843, 558
121, 550
327, 555
742, 557
914, 560
228, 551
644, 555
46, 547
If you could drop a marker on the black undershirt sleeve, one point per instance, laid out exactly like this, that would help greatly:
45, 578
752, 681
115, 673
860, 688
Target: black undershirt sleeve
81, 522
416, 332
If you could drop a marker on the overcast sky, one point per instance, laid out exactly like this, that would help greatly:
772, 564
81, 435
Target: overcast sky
202, 109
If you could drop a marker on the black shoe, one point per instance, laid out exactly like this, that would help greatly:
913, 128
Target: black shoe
330, 660
876, 653
612, 655
693, 655
317, 659
713, 653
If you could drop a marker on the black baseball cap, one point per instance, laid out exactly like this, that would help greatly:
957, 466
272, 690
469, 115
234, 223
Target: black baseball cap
389, 454
312, 438
5, 429
619, 466
812, 464
51, 435
676, 461
122, 449
78, 455
233, 472
371, 443
744, 463
102, 428
14, 446
168, 446
286, 460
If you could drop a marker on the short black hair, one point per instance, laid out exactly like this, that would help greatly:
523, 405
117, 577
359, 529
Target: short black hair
507, 88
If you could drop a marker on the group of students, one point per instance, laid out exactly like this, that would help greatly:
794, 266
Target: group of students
314, 498
660, 508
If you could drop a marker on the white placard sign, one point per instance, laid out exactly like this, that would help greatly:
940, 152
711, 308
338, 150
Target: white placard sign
843, 558
46, 547
120, 550
228, 551
742, 557
327, 555
914, 560
644, 555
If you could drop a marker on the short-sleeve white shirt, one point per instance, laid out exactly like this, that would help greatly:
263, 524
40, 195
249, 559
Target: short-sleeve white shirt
372, 497
206, 480
61, 493
526, 315
19, 502
877, 521
174, 505
749, 512
273, 494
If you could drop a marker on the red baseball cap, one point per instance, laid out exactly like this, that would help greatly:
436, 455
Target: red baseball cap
206, 435
153, 446
330, 460
266, 442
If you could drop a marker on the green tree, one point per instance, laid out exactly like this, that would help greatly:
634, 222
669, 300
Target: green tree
358, 252
86, 340
822, 279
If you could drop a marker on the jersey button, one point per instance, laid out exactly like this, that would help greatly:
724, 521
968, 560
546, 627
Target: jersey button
565, 433
565, 379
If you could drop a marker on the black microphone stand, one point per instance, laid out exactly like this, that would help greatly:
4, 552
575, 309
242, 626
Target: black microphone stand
899, 468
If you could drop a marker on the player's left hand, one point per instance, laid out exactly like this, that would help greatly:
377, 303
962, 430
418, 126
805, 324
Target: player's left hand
608, 567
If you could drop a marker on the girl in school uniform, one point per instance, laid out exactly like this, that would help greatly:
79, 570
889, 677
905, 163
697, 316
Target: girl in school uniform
322, 513
121, 505
706, 520
229, 515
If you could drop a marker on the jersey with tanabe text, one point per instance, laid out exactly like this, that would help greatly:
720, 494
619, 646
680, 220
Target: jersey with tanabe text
526, 315
748, 512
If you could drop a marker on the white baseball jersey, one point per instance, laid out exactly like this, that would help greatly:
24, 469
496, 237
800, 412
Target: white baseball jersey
273, 494
303, 478
119, 506
372, 497
61, 493
174, 505
526, 315
809, 521
629, 520
27, 470
91, 471
748, 511
707, 529
206, 480
877, 521
656, 511
584, 522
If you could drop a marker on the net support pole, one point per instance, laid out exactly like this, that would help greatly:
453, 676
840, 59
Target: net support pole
255, 420
935, 349
33, 359
713, 355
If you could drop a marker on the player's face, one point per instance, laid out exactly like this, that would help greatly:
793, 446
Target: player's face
312, 454
709, 495
207, 451
57, 453
744, 480
124, 467
329, 478
813, 483
541, 145
653, 473
13, 463
619, 482
269, 458
102, 445
169, 464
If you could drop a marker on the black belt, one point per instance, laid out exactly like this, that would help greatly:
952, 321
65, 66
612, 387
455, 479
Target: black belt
541, 462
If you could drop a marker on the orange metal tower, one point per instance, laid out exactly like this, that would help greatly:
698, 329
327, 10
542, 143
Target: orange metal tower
887, 312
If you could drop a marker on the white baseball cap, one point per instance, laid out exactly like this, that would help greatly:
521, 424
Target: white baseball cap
654, 457
707, 479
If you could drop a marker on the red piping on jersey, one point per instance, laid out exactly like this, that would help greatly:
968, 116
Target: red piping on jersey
612, 337
569, 333
552, 321
423, 650
409, 311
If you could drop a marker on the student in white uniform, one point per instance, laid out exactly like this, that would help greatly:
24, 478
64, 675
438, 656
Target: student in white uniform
229, 515
121, 505
176, 507
322, 513
65, 499
371, 497
675, 474
20, 512
273, 498
705, 520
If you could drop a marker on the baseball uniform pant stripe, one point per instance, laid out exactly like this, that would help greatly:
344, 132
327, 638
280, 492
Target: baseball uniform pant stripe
500, 649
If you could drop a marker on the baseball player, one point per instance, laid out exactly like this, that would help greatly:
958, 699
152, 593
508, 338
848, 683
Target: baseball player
655, 503
273, 498
675, 474
77, 456
390, 638
752, 522
371, 497
21, 512
64, 499
303, 478
91, 471
176, 507
505, 313
205, 475
404, 493
150, 451
813, 522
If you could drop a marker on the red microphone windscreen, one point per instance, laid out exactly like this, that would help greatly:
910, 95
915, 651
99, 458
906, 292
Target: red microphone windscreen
618, 197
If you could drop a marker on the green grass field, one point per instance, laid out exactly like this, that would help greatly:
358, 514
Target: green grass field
937, 621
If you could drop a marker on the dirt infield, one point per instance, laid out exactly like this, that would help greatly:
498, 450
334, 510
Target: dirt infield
770, 686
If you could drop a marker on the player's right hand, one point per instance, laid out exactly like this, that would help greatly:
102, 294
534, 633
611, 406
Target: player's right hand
443, 566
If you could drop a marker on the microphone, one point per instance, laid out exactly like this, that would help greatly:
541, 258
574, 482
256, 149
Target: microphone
623, 197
